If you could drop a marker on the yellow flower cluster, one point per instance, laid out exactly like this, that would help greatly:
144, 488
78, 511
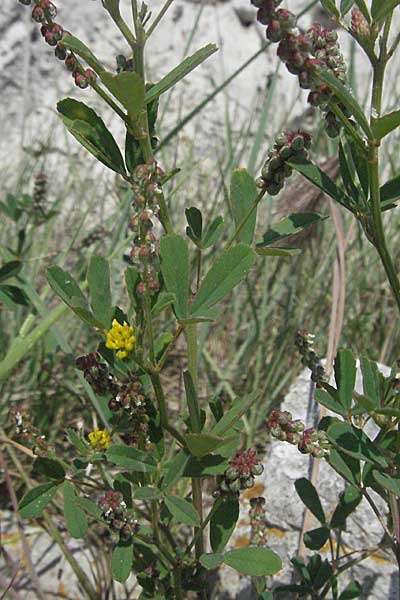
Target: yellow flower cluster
99, 439
121, 338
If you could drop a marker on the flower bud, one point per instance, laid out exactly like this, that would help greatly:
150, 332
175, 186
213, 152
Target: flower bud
274, 32
38, 14
90, 75
80, 80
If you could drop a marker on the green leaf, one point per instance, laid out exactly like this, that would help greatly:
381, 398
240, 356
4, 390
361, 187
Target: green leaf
174, 255
270, 251
384, 125
10, 269
77, 441
175, 469
113, 8
131, 280
324, 398
180, 71
14, 294
212, 232
64, 285
346, 466
239, 407
253, 561
122, 558
353, 590
210, 465
182, 510
98, 277
380, 9
348, 100
147, 493
75, 517
316, 538
390, 191
195, 224
330, 8
345, 376
88, 506
131, 458
243, 193
211, 561
227, 271
348, 502
288, 226
89, 129
355, 443
128, 88
320, 179
192, 403
36, 500
310, 498
392, 484
223, 522
79, 48
370, 375
49, 467
345, 6
201, 444
164, 300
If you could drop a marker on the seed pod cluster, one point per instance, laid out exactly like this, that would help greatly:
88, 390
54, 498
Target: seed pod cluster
29, 434
115, 514
144, 253
131, 401
305, 55
258, 530
359, 25
314, 442
97, 374
240, 474
282, 426
304, 342
275, 170
44, 12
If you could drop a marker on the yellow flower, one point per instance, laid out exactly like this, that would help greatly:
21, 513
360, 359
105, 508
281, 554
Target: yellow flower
120, 338
99, 439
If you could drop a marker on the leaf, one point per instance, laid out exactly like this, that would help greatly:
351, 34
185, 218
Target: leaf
370, 374
36, 500
122, 558
180, 71
355, 443
288, 226
79, 48
310, 498
212, 232
329, 6
353, 590
253, 561
15, 294
384, 125
175, 469
270, 251
226, 272
10, 269
223, 522
201, 444
131, 280
192, 403
243, 193
211, 561
348, 100
75, 517
390, 191
147, 493
113, 8
90, 507
348, 502
128, 88
324, 398
392, 484
174, 255
239, 407
131, 458
98, 277
89, 129
77, 441
345, 376
182, 510
210, 465
195, 223
320, 179
316, 538
49, 467
380, 9
64, 285
346, 466
345, 6
164, 300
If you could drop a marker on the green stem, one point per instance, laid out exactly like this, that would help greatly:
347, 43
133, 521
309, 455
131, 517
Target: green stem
158, 18
162, 407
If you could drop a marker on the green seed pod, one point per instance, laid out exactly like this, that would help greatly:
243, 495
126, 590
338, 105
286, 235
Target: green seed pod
297, 143
231, 473
256, 470
281, 139
285, 152
275, 162
235, 486
273, 189
247, 483
318, 453
224, 486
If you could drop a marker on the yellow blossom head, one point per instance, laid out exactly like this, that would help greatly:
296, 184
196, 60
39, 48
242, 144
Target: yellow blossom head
99, 439
120, 338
